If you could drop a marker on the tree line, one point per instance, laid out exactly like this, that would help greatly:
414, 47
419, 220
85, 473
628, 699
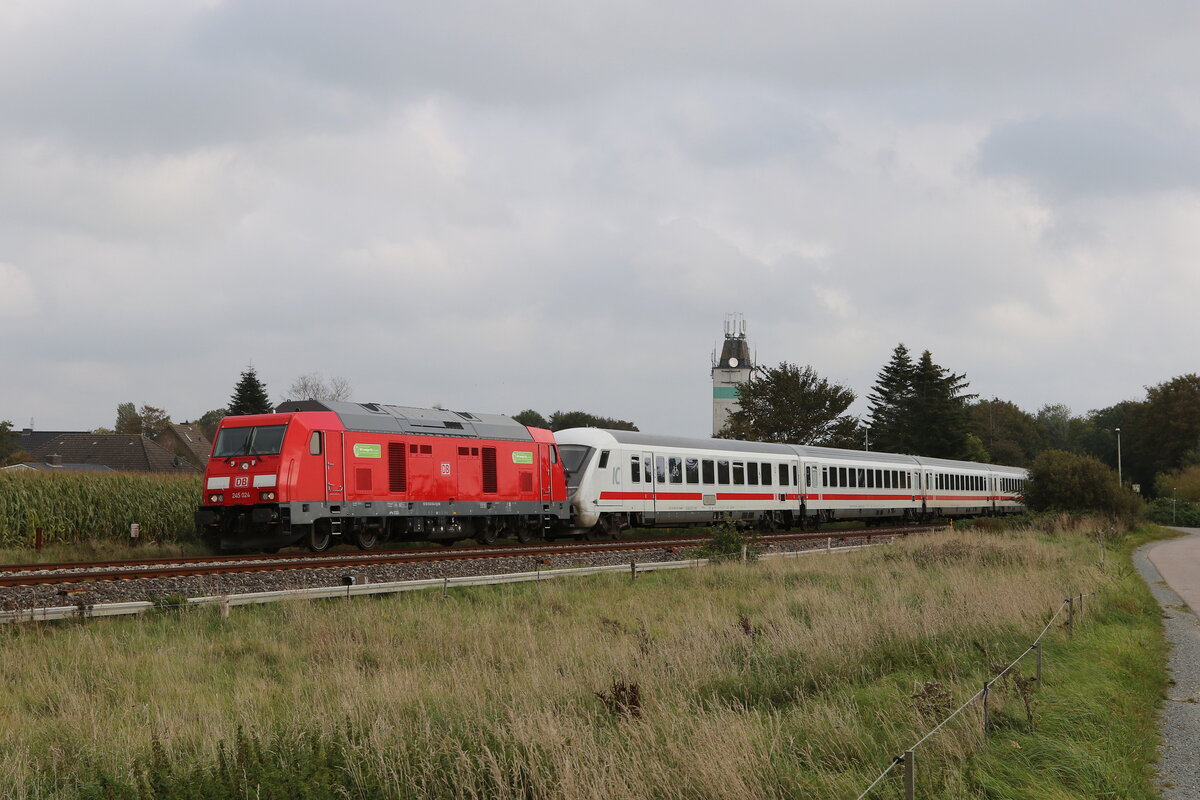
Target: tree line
919, 407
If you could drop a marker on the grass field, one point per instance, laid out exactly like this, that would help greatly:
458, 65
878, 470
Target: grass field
774, 679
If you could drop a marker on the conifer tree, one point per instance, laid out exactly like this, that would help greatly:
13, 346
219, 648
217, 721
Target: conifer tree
938, 411
889, 400
249, 396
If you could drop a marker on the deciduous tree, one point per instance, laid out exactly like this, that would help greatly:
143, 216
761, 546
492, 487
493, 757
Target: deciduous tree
314, 386
792, 404
1011, 436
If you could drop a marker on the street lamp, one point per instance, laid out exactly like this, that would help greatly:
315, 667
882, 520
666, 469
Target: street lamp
1173, 491
1118, 430
867, 437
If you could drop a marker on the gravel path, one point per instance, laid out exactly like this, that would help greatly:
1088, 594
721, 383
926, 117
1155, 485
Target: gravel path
1179, 766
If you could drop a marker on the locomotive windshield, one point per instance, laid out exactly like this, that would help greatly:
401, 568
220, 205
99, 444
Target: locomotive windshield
261, 440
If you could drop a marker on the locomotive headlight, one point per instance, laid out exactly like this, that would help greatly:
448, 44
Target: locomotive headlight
267, 495
215, 498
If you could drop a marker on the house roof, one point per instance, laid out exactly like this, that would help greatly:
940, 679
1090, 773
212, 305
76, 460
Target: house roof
42, 466
192, 437
118, 451
29, 440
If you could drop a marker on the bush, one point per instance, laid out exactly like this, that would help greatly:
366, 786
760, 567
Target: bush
1182, 513
1062, 481
727, 543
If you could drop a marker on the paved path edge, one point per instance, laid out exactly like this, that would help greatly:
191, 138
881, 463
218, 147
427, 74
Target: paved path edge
1179, 719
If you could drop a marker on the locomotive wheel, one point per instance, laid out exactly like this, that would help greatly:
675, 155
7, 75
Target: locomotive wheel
366, 539
319, 538
486, 535
523, 535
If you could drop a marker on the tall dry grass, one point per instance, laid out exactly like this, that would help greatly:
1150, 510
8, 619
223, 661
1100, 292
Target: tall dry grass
782, 678
74, 507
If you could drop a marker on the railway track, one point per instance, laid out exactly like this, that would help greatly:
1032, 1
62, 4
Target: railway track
89, 572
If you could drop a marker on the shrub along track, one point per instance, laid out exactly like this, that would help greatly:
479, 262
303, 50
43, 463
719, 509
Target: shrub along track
123, 570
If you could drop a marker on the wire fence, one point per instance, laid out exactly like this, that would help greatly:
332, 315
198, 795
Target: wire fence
909, 760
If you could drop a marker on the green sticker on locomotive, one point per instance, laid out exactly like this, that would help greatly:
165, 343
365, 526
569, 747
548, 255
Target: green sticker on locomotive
522, 457
368, 451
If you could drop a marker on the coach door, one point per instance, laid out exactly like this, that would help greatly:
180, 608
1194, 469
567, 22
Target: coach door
545, 472
335, 468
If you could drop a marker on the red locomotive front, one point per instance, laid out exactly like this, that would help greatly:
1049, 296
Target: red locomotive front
316, 471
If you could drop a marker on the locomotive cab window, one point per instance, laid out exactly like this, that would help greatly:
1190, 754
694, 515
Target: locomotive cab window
259, 440
314, 443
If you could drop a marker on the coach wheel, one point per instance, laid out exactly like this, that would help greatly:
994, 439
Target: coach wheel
319, 537
366, 539
524, 534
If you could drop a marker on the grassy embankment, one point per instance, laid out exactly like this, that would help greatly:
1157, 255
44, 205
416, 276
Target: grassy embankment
777, 679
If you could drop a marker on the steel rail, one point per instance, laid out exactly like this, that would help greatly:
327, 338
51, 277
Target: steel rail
42, 574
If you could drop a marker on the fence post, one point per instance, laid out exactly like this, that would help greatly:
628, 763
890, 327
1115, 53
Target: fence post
828, 543
633, 570
744, 548
910, 774
224, 607
1081, 605
1070, 616
445, 588
1038, 647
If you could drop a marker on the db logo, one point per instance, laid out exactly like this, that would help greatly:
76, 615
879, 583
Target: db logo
445, 469
241, 481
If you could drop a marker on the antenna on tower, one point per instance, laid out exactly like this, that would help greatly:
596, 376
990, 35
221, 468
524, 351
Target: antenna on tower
735, 325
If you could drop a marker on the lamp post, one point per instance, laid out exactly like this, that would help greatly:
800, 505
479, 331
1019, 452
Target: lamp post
1173, 491
867, 438
1119, 480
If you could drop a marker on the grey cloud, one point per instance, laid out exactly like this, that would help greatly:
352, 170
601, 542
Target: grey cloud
1095, 154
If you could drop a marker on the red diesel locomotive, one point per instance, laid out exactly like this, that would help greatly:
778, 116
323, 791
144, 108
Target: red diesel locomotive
316, 471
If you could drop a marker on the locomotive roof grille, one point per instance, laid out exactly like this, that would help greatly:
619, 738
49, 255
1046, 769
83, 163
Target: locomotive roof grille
379, 418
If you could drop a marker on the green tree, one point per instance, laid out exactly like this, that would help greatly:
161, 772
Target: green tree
10, 452
531, 419
147, 421
127, 420
889, 402
561, 420
792, 404
937, 409
1168, 427
1010, 435
249, 396
1182, 484
209, 421
1064, 481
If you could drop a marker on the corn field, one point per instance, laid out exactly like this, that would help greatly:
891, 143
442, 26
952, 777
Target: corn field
72, 508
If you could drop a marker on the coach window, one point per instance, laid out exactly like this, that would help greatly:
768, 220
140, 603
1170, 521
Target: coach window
660, 468
635, 469
739, 473
691, 469
649, 477
723, 473
675, 469
314, 443
766, 474
783, 481
752, 473
795, 476
603, 459
708, 474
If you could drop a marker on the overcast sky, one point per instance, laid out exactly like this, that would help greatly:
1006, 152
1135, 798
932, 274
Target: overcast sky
497, 206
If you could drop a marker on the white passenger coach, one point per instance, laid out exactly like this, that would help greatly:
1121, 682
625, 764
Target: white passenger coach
620, 479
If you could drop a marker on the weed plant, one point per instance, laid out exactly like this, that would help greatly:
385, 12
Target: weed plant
781, 678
